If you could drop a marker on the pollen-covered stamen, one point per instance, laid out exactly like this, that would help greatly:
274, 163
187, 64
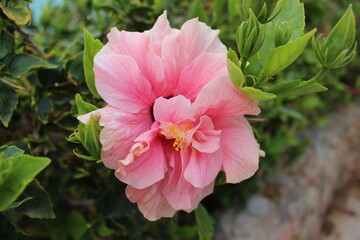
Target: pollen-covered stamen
181, 133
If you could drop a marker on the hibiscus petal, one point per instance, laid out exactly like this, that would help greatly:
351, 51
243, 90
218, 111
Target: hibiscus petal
202, 168
161, 29
180, 49
120, 83
119, 132
206, 139
174, 110
180, 193
220, 98
151, 201
202, 70
240, 149
147, 169
138, 46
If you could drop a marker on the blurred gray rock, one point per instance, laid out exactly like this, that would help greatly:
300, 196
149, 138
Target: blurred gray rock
307, 191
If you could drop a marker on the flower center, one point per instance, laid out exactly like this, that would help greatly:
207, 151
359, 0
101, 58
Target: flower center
179, 132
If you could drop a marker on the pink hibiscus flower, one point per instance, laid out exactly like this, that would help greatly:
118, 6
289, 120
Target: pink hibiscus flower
173, 120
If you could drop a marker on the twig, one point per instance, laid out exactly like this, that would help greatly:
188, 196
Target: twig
11, 84
28, 40
257, 119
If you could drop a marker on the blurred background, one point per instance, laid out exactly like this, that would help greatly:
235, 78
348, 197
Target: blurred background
89, 202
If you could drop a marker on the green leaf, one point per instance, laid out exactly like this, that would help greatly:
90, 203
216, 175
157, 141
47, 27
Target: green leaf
24, 169
10, 151
342, 36
92, 138
8, 103
39, 206
197, 10
76, 225
256, 94
103, 230
23, 63
7, 44
236, 75
293, 12
296, 88
17, 12
158, 6
91, 48
204, 223
281, 57
82, 106
43, 109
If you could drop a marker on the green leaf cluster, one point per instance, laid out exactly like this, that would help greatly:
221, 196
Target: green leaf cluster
17, 170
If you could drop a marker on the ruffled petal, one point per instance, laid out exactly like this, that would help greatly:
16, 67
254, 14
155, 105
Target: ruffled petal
220, 98
119, 132
206, 139
120, 83
138, 46
179, 192
151, 201
239, 146
174, 110
202, 168
159, 31
180, 49
146, 169
202, 70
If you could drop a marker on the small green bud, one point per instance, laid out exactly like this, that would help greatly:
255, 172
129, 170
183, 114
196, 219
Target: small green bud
263, 9
283, 33
250, 36
339, 48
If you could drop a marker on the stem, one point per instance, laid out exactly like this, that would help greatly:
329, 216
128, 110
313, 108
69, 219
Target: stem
243, 65
11, 84
319, 76
28, 41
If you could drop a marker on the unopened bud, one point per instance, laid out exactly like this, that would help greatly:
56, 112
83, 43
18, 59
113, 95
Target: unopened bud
263, 9
250, 36
339, 48
283, 34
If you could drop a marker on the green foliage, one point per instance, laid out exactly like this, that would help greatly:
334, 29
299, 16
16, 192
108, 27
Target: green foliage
8, 102
16, 11
91, 47
17, 171
339, 48
281, 57
23, 63
204, 223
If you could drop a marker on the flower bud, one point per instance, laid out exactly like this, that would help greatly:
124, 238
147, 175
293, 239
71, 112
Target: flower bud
283, 33
339, 48
263, 9
249, 36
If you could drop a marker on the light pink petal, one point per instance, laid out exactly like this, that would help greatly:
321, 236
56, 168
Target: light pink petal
146, 169
138, 46
159, 31
240, 149
180, 49
180, 193
202, 168
220, 98
119, 132
174, 110
205, 138
151, 201
202, 70
120, 83
201, 37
